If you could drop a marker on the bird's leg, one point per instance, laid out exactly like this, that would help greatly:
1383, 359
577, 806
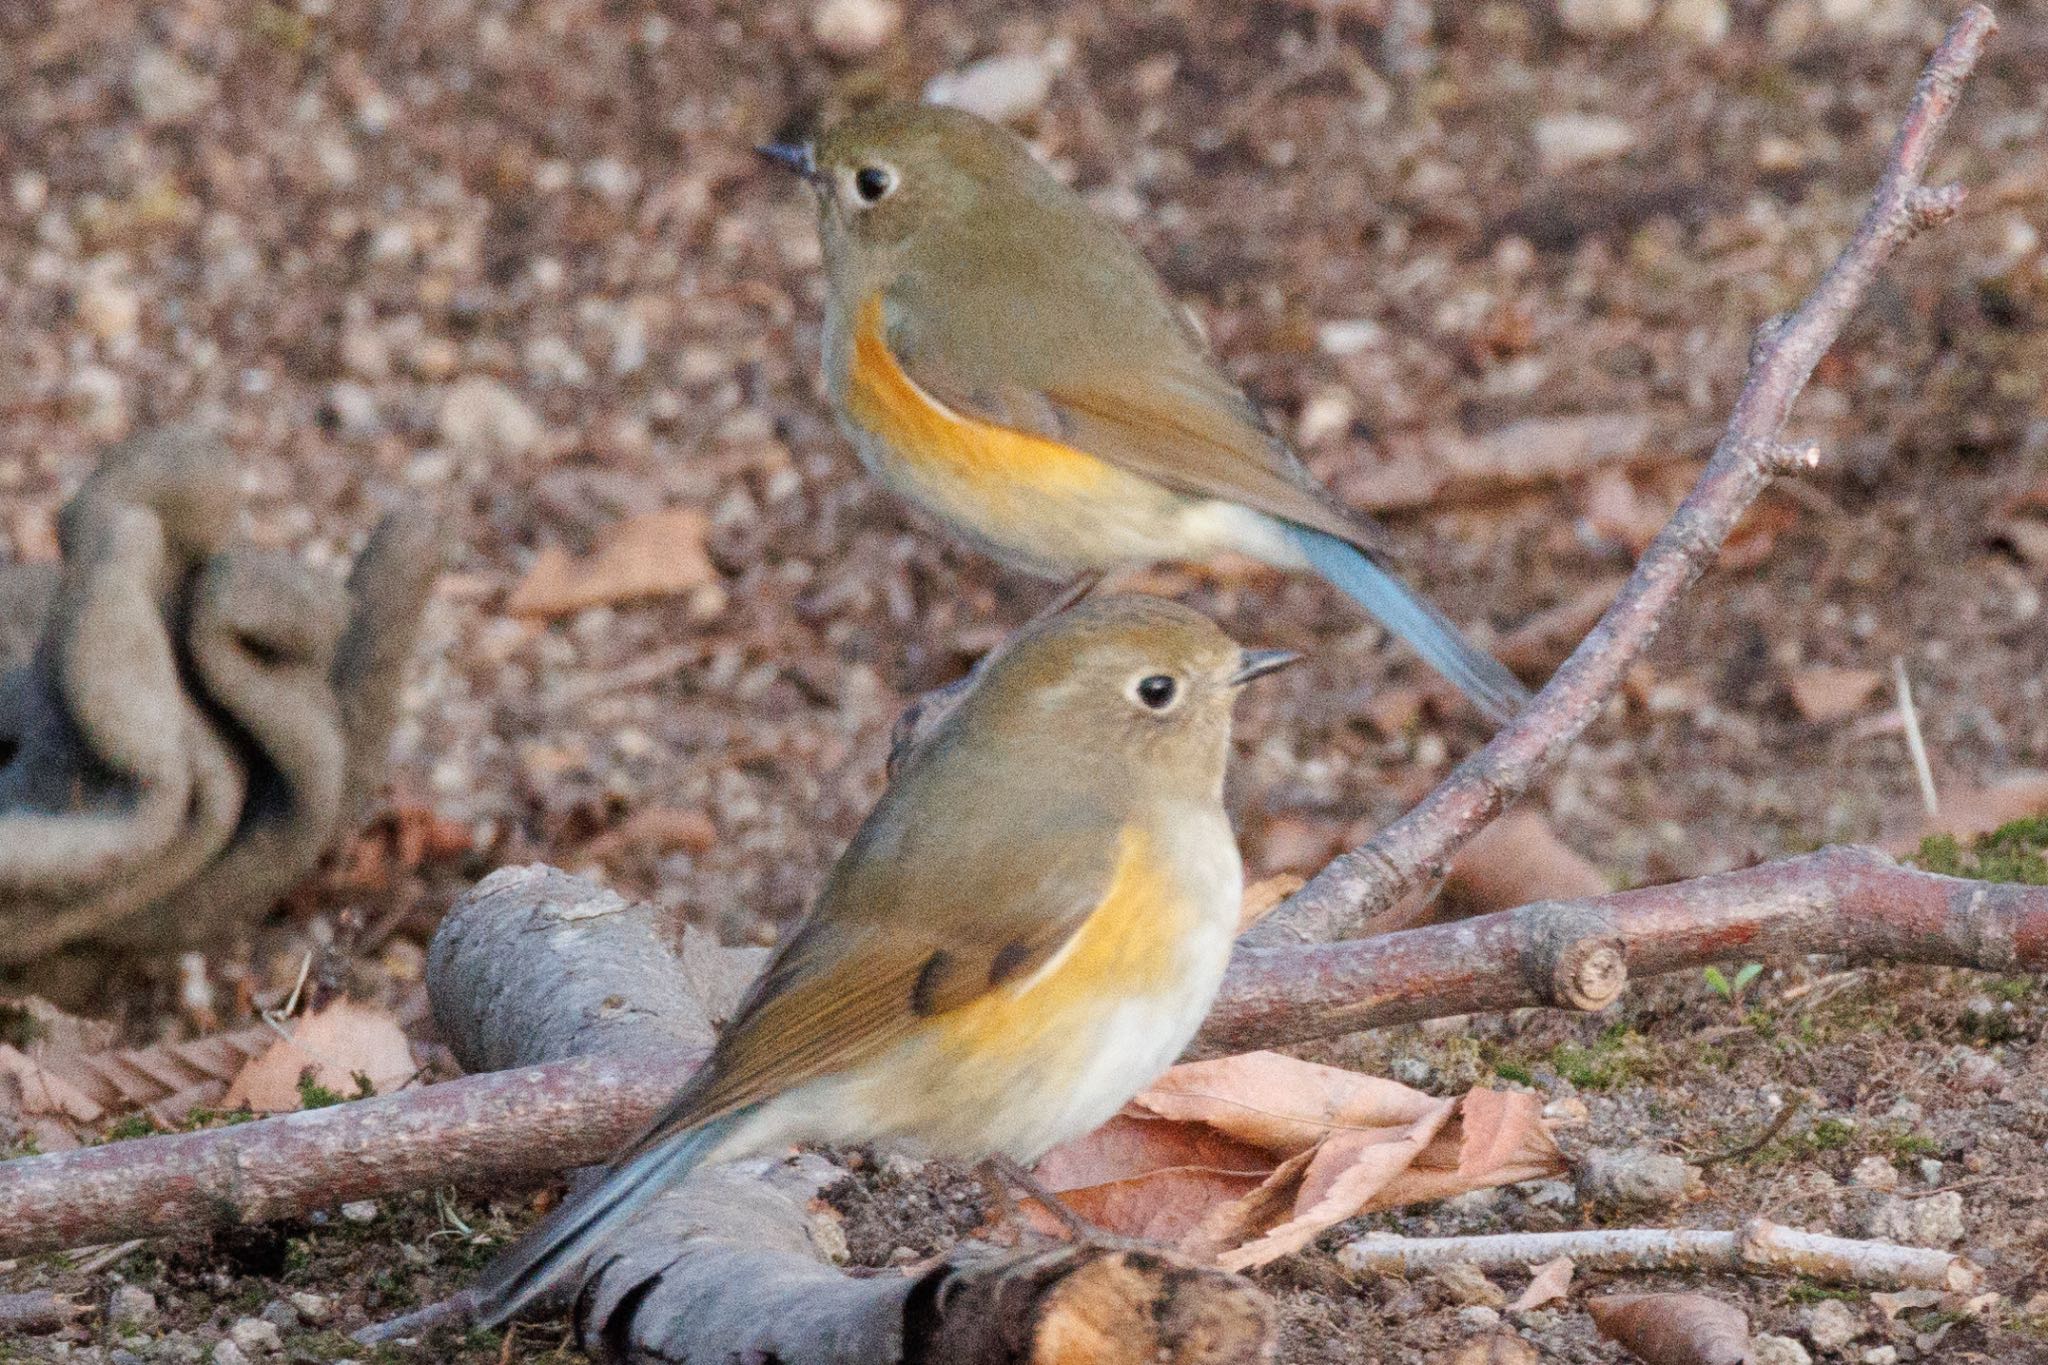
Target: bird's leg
1001, 1171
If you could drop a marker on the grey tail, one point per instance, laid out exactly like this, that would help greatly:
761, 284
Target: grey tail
552, 1250
1398, 607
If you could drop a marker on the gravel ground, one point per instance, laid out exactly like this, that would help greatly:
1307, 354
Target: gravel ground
517, 263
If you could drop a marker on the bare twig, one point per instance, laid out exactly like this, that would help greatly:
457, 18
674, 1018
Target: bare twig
1852, 901
1916, 743
506, 1124
1357, 890
1757, 1246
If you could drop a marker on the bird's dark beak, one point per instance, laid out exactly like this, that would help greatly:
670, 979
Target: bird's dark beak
1257, 663
800, 158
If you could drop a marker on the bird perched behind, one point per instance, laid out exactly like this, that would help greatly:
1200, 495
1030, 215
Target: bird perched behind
1002, 356
1027, 929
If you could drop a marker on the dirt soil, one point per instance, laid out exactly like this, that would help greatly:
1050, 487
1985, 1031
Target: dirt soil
323, 224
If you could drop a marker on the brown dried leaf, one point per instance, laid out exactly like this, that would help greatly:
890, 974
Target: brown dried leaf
1264, 895
1552, 1283
1906, 1300
1967, 814
1674, 1329
340, 1043
1244, 1159
1523, 454
659, 829
1517, 859
67, 1083
1824, 694
651, 555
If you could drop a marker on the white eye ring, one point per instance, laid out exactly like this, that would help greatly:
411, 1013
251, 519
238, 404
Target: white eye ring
871, 184
1156, 692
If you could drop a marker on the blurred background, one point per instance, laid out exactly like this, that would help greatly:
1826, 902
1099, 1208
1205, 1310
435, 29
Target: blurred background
1495, 268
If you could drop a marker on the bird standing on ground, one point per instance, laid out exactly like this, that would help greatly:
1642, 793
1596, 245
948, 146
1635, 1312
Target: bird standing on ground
1027, 929
1004, 357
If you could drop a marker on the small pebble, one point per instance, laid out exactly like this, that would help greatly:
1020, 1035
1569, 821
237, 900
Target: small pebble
314, 1308
1560, 1195
855, 28
1637, 1178
131, 1307
1568, 141
1604, 18
1770, 1350
1938, 1219
481, 418
1930, 1171
360, 1211
255, 1336
1881, 1355
1467, 1284
1000, 88
1875, 1173
1349, 336
1832, 1324
164, 88
1479, 1317
225, 1352
1700, 21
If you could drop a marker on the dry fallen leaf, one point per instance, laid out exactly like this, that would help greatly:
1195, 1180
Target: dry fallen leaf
66, 1084
1262, 896
340, 1043
1824, 694
1552, 1284
1967, 814
1674, 1329
1523, 454
1244, 1159
651, 555
1513, 861
656, 829
1906, 1300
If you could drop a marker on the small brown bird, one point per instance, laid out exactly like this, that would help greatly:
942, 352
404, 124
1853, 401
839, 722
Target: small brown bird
1027, 929
1005, 358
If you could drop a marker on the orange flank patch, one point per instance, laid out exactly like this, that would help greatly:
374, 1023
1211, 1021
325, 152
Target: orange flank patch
1126, 948
935, 441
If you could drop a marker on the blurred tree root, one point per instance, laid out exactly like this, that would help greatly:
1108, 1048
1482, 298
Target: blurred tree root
186, 724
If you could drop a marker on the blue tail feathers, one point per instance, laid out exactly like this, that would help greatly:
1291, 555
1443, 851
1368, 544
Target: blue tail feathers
543, 1259
1428, 631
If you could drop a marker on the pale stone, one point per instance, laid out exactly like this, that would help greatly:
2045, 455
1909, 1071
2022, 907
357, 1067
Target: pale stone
1604, 18
855, 28
482, 418
1567, 141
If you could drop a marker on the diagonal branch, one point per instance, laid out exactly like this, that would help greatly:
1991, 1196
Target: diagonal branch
1354, 893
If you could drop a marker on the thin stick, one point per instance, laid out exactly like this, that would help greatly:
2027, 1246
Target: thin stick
1916, 745
1356, 891
1757, 1246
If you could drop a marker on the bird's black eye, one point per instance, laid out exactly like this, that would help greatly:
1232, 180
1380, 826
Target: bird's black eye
1157, 691
873, 183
